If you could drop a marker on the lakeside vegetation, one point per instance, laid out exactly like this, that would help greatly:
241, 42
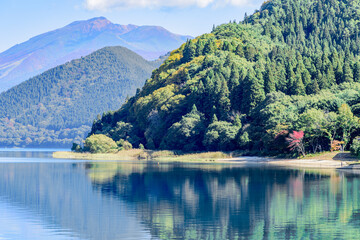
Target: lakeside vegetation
149, 155
286, 78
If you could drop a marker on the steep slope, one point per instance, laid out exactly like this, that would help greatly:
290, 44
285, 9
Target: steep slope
292, 65
62, 102
79, 39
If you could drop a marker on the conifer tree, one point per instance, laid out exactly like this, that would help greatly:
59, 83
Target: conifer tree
298, 87
224, 101
357, 72
314, 88
253, 91
240, 51
199, 47
347, 73
330, 76
234, 78
269, 80
209, 47
189, 51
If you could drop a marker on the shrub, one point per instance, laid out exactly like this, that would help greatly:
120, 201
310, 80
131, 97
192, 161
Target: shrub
99, 143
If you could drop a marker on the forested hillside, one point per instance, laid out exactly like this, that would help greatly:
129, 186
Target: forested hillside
292, 66
59, 106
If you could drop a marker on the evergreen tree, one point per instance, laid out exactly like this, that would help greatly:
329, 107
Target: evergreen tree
209, 47
269, 79
250, 53
234, 78
347, 73
199, 47
224, 101
314, 88
253, 91
239, 50
298, 87
330, 76
189, 51
357, 72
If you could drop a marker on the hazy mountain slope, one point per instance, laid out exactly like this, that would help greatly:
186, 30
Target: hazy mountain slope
78, 39
293, 65
71, 95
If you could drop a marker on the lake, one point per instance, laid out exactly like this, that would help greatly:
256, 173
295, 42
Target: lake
44, 198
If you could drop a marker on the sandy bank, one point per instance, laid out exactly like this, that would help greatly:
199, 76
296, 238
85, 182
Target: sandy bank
313, 163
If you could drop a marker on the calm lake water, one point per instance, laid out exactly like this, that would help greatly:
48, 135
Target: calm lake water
43, 198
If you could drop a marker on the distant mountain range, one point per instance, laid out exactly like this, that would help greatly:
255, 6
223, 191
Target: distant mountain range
58, 106
78, 39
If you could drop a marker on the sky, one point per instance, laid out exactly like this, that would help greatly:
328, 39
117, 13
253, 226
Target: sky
22, 19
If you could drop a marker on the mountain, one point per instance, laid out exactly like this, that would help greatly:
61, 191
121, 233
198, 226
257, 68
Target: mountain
284, 80
58, 106
78, 39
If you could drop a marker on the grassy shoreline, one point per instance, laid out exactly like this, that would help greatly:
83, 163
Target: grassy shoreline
146, 155
323, 160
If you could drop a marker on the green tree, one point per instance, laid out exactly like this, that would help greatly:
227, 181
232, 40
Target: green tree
269, 79
189, 51
220, 135
99, 143
121, 131
298, 87
347, 73
357, 72
313, 123
209, 47
240, 50
347, 122
253, 91
187, 133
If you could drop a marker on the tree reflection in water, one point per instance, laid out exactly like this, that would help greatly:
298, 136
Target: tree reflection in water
187, 201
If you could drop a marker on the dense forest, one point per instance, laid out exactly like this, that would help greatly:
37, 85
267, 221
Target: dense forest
290, 72
58, 107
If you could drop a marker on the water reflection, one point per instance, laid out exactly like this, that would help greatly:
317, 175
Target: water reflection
59, 199
29, 153
221, 202
176, 201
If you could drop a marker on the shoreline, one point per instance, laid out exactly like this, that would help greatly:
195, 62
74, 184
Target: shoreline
321, 161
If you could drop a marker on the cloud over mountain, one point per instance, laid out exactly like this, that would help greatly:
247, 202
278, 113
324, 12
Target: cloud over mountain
109, 4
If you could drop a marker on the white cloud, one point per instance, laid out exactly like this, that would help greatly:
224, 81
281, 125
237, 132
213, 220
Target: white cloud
109, 4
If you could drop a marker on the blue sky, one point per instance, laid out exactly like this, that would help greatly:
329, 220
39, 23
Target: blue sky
23, 19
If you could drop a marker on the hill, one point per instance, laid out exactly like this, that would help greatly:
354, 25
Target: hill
292, 66
58, 106
78, 39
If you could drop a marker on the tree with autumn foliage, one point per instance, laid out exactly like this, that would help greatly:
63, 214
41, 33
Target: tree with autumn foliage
295, 141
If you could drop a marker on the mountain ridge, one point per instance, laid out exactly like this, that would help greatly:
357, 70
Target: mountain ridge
77, 39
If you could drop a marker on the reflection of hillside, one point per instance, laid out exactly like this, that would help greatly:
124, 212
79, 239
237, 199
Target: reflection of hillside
200, 203
62, 195
9, 155
226, 203
185, 201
